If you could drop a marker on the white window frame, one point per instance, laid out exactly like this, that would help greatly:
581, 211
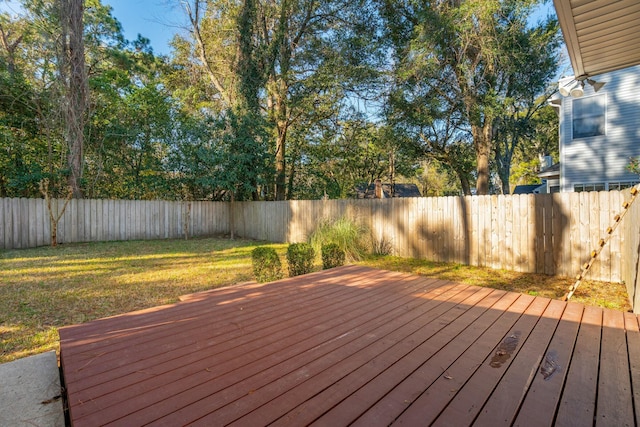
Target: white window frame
602, 96
621, 185
589, 186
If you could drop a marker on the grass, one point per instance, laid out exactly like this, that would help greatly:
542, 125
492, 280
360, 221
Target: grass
45, 288
607, 295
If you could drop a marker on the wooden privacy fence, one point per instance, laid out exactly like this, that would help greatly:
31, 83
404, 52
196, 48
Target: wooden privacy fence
630, 253
551, 234
24, 223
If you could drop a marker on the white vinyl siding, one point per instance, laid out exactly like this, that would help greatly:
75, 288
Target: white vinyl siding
603, 158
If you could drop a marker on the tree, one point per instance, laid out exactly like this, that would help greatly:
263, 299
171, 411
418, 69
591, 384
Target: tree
467, 51
123, 141
525, 89
540, 139
287, 58
336, 156
29, 121
428, 122
74, 76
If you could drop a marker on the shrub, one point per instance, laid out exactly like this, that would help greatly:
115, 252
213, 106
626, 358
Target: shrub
266, 264
332, 256
351, 237
300, 258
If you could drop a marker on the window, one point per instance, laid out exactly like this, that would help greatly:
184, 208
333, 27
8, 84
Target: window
621, 185
589, 187
589, 116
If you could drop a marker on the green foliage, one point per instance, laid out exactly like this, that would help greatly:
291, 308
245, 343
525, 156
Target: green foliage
332, 256
296, 69
468, 79
266, 264
437, 179
340, 156
350, 236
300, 257
634, 165
260, 98
542, 140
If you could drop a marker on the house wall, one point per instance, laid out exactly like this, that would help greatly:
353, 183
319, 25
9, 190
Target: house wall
603, 159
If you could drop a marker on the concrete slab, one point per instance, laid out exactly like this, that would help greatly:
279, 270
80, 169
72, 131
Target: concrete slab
30, 392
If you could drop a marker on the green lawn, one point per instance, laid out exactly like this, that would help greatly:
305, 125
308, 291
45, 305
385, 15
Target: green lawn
45, 288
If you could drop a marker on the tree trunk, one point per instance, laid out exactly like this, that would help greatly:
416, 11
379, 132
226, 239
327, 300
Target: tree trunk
282, 126
503, 164
232, 218
482, 143
75, 79
281, 175
464, 183
504, 172
291, 180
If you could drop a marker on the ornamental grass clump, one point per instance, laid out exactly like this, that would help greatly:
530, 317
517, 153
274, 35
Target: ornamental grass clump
350, 236
332, 256
266, 264
300, 257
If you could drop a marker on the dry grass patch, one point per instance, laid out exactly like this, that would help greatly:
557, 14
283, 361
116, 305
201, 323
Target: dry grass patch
608, 295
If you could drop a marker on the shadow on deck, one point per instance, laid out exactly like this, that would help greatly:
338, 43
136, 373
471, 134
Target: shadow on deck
355, 345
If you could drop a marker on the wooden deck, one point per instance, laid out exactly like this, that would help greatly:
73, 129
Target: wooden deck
357, 346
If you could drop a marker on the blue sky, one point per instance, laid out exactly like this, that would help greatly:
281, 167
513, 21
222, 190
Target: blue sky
159, 20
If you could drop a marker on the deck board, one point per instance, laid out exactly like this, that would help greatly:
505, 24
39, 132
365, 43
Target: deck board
433, 396
507, 397
578, 402
354, 345
615, 401
427, 360
470, 399
542, 397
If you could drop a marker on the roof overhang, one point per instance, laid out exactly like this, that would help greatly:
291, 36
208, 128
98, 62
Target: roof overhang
601, 35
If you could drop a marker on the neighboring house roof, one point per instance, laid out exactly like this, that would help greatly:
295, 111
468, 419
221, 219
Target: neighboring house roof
525, 189
399, 190
601, 35
552, 172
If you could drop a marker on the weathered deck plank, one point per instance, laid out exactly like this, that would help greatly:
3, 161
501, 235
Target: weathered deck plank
434, 397
633, 345
357, 346
505, 400
448, 343
403, 355
470, 399
578, 402
615, 399
541, 401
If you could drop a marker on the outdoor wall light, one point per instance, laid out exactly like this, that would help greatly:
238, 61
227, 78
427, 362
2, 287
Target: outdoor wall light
566, 89
596, 85
578, 90
575, 87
